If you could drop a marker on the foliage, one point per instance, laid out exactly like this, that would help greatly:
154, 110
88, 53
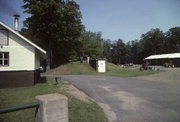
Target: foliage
93, 49
119, 52
151, 43
91, 44
57, 25
88, 35
136, 51
107, 49
172, 41
166, 64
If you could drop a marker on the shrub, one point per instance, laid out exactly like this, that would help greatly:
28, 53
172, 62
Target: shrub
166, 64
169, 65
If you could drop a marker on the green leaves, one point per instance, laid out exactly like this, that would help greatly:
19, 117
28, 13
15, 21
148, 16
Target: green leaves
91, 44
172, 41
153, 42
57, 25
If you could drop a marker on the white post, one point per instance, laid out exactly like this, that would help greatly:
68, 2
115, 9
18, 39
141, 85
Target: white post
88, 60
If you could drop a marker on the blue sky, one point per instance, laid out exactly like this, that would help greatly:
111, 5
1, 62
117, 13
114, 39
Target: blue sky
125, 19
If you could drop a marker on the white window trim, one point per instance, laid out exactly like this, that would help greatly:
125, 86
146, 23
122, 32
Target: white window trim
3, 59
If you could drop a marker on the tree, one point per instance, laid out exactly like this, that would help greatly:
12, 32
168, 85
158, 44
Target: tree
91, 44
172, 41
136, 51
128, 54
57, 25
119, 52
107, 50
153, 42
93, 49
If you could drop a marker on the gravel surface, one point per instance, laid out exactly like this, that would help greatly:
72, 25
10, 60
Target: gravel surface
171, 75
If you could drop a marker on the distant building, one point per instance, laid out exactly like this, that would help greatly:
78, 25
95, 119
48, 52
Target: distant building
163, 58
19, 59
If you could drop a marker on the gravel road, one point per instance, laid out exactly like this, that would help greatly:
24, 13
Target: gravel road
139, 99
171, 75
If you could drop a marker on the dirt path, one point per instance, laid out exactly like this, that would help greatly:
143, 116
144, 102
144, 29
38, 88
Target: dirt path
69, 88
170, 75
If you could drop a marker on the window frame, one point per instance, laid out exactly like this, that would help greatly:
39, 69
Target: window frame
3, 59
7, 37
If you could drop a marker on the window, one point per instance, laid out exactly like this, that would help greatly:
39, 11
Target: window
4, 37
4, 59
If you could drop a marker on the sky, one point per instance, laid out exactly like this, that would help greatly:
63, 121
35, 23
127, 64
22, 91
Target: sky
124, 19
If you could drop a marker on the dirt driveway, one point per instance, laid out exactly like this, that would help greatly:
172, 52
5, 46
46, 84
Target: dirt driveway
130, 99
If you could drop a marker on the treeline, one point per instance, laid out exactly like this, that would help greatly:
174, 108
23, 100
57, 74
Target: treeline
153, 42
56, 26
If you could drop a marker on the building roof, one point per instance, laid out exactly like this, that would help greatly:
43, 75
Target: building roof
22, 37
164, 56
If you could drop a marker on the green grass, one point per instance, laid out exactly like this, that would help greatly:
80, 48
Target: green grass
72, 68
112, 70
79, 111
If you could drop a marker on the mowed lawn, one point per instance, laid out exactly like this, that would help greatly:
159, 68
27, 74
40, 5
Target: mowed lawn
79, 111
76, 68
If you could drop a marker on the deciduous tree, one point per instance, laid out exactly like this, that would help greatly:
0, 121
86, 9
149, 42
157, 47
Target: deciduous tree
56, 24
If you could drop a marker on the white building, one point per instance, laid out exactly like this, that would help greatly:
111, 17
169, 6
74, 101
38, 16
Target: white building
163, 58
19, 59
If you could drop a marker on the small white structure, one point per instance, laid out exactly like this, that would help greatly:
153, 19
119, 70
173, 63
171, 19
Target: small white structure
88, 58
19, 59
101, 65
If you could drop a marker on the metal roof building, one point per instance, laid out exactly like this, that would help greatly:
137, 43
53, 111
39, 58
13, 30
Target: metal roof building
164, 56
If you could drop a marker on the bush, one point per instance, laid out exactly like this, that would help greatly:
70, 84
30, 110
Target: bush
169, 65
166, 64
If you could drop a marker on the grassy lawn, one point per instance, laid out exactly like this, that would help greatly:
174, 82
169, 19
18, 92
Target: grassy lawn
114, 70
77, 68
79, 111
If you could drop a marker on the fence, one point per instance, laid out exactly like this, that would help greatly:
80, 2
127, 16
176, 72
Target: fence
93, 63
19, 107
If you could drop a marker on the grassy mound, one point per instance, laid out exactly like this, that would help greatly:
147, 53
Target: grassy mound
72, 68
77, 68
114, 70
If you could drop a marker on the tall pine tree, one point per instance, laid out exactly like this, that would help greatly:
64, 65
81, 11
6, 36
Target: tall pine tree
57, 26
